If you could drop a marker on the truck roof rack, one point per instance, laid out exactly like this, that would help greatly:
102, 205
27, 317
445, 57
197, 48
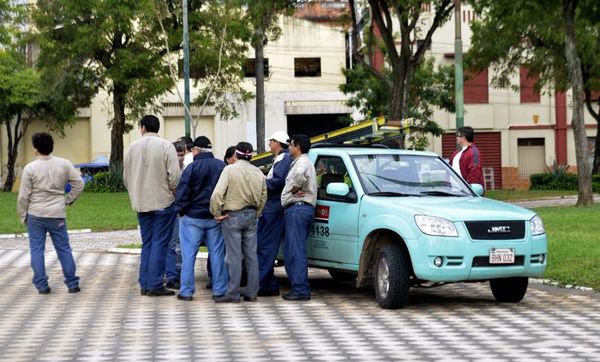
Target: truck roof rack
363, 134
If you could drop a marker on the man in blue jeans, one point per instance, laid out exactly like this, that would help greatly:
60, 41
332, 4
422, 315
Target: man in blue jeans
197, 225
151, 173
41, 205
298, 198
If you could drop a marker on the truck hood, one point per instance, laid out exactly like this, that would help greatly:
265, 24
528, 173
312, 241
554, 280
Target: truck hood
455, 208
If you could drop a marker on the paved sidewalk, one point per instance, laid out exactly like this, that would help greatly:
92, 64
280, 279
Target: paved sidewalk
110, 320
551, 201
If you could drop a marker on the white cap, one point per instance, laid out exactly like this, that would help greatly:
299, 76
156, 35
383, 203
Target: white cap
279, 136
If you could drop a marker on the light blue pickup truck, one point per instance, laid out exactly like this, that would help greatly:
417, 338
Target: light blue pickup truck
392, 219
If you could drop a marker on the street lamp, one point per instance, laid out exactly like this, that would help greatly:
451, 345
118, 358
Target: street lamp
458, 68
186, 69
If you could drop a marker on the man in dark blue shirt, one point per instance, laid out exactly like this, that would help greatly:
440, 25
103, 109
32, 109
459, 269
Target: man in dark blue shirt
197, 224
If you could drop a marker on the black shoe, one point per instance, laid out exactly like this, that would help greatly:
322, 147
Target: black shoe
159, 292
143, 291
182, 297
44, 291
249, 299
292, 296
173, 285
268, 293
74, 290
225, 299
209, 285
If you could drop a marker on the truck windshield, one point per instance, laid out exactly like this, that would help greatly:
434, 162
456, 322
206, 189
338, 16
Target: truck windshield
410, 175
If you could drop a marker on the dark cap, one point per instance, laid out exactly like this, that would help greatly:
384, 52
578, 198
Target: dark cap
202, 142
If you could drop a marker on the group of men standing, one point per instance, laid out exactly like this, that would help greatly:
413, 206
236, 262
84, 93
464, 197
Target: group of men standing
238, 213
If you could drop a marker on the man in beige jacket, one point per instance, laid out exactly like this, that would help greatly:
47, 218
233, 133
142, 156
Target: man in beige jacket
237, 201
41, 205
151, 173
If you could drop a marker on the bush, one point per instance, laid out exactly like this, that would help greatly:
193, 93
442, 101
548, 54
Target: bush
110, 181
560, 181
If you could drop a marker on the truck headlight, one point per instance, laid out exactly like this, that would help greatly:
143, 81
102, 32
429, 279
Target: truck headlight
435, 226
537, 225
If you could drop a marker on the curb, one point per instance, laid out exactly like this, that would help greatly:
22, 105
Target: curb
201, 254
561, 285
26, 235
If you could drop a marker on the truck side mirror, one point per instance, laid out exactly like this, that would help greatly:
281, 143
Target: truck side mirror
338, 190
478, 189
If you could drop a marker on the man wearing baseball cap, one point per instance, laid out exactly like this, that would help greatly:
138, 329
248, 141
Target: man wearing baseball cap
197, 224
270, 224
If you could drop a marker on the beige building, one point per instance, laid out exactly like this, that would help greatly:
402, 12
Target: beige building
301, 95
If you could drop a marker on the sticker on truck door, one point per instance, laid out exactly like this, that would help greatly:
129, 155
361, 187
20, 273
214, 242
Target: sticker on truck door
322, 214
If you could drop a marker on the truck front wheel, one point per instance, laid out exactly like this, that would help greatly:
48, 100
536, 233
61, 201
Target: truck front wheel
392, 277
509, 290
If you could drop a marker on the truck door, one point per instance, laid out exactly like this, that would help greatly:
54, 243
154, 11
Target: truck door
334, 233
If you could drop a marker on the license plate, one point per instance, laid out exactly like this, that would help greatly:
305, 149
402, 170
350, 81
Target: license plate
502, 256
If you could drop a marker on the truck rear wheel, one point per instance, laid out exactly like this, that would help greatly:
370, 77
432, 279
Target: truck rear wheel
509, 290
392, 277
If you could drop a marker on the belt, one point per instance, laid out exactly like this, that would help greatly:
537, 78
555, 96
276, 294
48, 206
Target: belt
242, 209
296, 203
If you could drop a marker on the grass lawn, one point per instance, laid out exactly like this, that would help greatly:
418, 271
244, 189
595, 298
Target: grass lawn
510, 195
99, 212
573, 244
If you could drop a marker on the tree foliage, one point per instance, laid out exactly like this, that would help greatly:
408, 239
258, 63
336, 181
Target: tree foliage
409, 84
533, 34
24, 96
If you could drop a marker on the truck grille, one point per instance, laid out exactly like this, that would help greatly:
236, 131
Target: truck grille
496, 230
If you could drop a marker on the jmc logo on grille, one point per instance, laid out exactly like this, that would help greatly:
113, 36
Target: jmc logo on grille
499, 230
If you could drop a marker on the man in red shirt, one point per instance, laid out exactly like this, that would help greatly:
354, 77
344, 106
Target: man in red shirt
467, 161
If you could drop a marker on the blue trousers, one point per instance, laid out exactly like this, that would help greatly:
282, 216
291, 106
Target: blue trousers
193, 233
156, 228
298, 219
173, 266
37, 227
270, 234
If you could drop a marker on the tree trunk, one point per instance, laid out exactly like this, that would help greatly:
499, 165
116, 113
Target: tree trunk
259, 68
577, 122
14, 138
118, 127
596, 115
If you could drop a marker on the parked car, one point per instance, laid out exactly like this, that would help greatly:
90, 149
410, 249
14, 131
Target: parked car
395, 219
89, 169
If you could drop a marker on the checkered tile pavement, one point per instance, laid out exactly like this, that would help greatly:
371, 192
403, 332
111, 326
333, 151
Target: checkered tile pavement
109, 320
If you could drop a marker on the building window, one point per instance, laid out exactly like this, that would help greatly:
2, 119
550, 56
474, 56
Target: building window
476, 87
527, 85
307, 67
249, 67
532, 156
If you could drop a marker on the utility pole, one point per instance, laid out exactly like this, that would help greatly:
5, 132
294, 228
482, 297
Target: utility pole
458, 67
186, 69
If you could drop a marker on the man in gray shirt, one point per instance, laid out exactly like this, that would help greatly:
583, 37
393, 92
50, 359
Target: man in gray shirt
151, 173
41, 205
299, 197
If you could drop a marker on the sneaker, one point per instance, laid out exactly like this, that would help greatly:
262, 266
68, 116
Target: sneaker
268, 293
249, 299
159, 292
44, 291
173, 284
225, 299
292, 296
183, 297
74, 290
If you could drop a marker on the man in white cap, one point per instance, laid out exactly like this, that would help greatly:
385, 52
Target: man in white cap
270, 224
